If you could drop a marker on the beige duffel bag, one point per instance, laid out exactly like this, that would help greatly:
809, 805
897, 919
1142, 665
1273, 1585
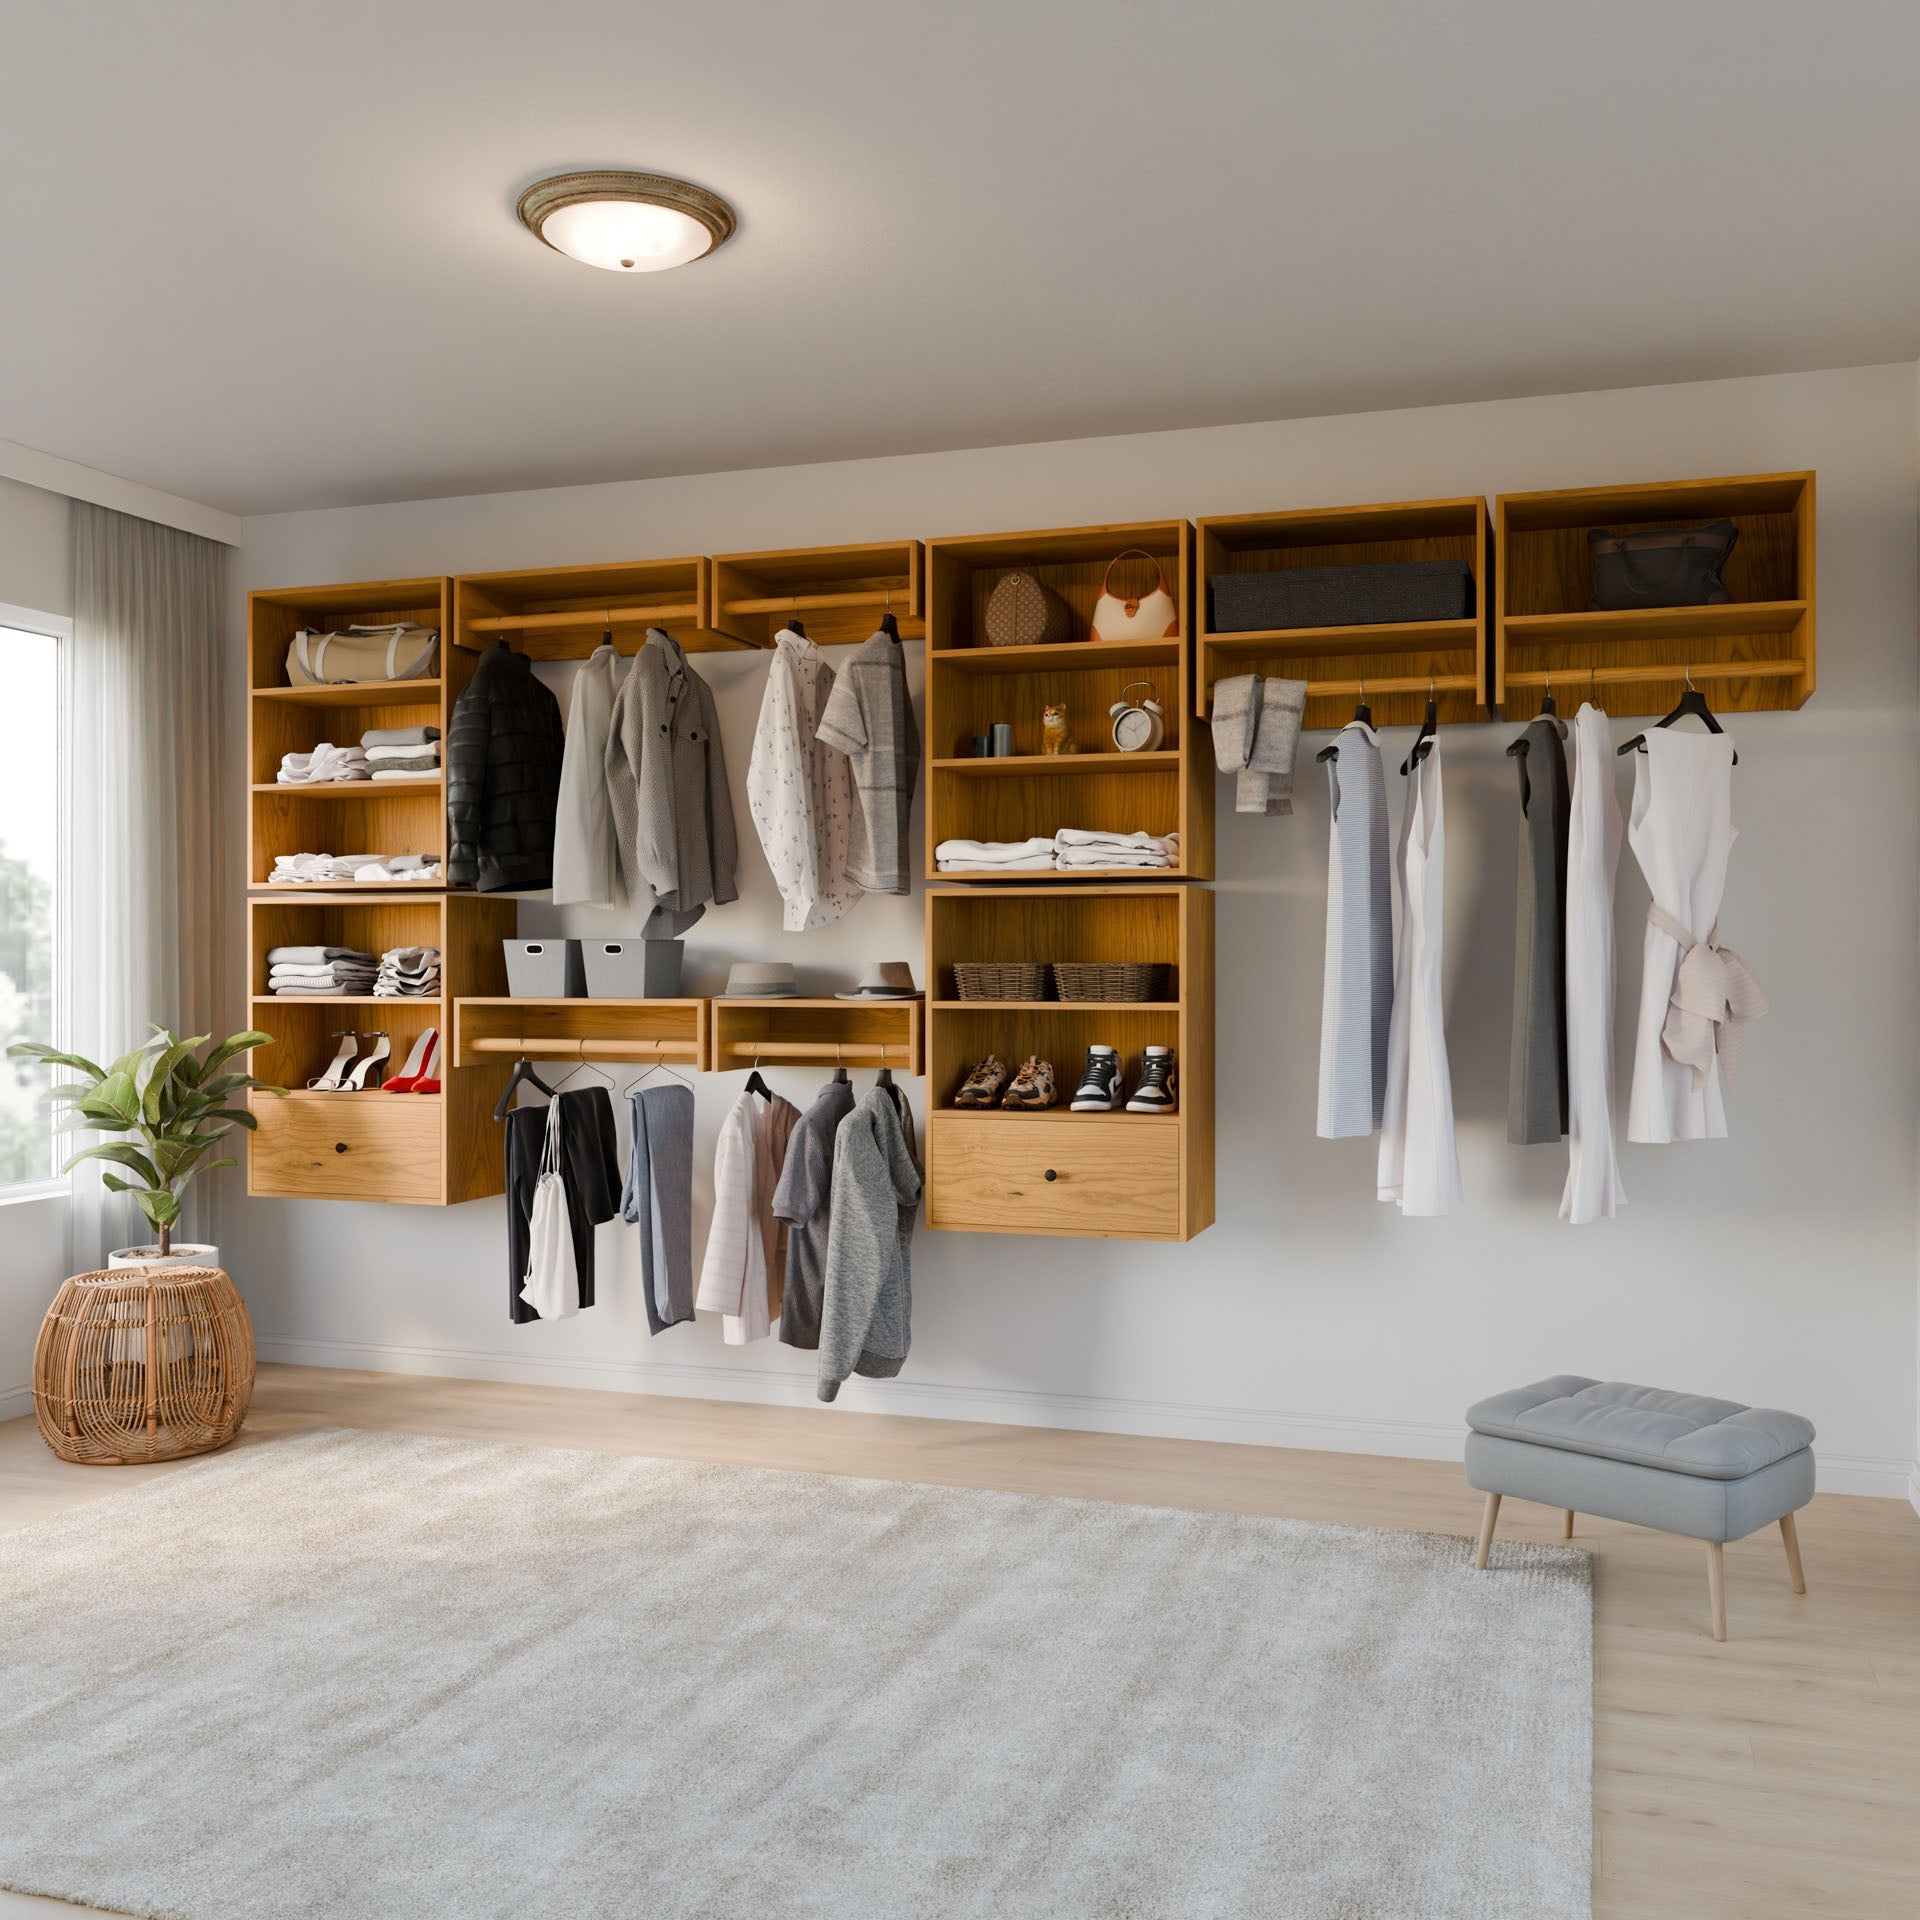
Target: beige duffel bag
398, 652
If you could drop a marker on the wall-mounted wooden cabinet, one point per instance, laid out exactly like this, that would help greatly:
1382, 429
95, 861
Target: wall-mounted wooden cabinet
839, 594
1094, 1176
427, 1149
972, 685
564, 613
1754, 653
1397, 661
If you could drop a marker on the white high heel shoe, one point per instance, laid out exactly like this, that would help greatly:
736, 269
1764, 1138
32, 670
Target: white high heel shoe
330, 1081
376, 1056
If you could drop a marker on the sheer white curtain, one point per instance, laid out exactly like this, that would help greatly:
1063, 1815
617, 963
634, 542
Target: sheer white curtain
145, 758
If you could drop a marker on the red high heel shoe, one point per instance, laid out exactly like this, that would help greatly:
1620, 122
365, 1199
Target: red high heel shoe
421, 1061
429, 1081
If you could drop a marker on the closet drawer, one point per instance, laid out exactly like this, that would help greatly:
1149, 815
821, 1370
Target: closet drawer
350, 1146
1090, 1175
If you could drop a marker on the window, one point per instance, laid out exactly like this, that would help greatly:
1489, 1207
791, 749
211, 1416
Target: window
30, 827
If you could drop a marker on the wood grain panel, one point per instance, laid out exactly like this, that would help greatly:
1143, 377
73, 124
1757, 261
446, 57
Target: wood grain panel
1114, 1176
348, 1146
838, 593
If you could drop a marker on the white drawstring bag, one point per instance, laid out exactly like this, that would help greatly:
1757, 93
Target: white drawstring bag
552, 1284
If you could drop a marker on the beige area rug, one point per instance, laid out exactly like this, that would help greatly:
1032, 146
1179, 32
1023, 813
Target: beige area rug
360, 1676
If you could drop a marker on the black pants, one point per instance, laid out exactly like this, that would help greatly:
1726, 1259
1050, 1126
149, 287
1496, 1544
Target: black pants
590, 1168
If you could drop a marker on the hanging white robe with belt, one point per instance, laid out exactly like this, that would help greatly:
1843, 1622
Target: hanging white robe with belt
1693, 992
1419, 1165
1593, 1190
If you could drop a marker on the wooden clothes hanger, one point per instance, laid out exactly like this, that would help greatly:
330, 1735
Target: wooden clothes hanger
1691, 703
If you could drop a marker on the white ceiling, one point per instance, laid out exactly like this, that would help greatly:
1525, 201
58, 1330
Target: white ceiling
265, 255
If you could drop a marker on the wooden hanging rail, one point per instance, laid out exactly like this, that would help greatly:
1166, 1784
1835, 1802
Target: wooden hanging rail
589, 1047
813, 602
820, 1052
819, 1033
553, 1029
1574, 678
588, 617
1400, 683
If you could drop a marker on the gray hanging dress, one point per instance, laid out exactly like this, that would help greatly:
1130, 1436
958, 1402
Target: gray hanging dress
1356, 1004
1537, 1064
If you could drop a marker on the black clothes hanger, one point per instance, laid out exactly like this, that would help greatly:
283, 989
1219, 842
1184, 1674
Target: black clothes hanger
1362, 716
890, 627
884, 1081
1428, 728
841, 1077
755, 1084
522, 1075
1691, 703
795, 626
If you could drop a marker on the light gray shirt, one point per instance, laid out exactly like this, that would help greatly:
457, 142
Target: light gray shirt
869, 717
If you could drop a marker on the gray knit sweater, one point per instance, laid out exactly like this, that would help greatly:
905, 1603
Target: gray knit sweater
867, 1308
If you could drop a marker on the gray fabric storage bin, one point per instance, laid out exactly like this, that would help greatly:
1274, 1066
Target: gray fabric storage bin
544, 969
634, 969
1364, 596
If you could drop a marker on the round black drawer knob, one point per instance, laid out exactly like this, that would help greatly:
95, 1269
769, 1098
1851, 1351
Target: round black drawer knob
339, 1146
1051, 1175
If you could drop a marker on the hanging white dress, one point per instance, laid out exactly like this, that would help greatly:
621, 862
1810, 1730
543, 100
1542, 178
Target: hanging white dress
1419, 1164
1593, 1190
1357, 988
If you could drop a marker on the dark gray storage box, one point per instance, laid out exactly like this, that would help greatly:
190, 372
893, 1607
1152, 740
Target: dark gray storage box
544, 969
634, 969
1366, 596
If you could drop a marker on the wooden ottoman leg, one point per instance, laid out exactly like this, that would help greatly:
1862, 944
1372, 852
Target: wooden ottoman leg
1487, 1519
1791, 1535
1566, 1523
1717, 1587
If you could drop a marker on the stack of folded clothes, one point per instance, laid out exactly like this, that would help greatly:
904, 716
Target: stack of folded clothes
409, 973
402, 753
1082, 847
336, 869
993, 856
325, 764
319, 970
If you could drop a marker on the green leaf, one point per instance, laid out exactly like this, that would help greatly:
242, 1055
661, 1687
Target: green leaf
114, 1184
121, 1155
53, 1057
163, 1209
239, 1043
211, 1164
115, 1095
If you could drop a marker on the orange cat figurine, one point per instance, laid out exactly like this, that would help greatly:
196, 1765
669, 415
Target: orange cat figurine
1055, 735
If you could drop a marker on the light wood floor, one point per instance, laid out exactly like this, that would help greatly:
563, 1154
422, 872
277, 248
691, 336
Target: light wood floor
1775, 1775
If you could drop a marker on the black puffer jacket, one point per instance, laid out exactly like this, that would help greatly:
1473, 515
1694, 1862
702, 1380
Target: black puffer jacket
504, 746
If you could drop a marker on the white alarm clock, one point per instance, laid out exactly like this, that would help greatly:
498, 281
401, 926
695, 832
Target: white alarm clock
1138, 726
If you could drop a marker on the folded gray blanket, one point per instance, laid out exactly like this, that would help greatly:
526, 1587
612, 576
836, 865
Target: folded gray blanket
316, 956
398, 736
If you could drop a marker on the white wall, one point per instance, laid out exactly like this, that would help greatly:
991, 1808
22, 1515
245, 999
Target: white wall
1777, 1267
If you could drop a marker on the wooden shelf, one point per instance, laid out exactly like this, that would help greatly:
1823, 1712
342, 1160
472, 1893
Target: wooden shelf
819, 1033
971, 686
564, 613
1758, 650
347, 999
674, 1032
1003, 765
1396, 659
1051, 876
1056, 1172
356, 693
839, 593
338, 789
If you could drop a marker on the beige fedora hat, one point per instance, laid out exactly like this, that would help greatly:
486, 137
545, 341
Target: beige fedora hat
884, 980
760, 980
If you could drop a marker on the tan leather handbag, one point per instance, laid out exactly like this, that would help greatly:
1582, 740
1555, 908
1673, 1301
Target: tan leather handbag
1148, 616
399, 652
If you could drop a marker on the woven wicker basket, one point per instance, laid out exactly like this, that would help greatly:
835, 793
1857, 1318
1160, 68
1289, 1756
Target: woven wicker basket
143, 1364
1110, 979
1002, 979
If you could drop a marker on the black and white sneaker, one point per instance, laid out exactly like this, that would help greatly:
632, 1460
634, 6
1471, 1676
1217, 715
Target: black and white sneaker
1155, 1093
1100, 1087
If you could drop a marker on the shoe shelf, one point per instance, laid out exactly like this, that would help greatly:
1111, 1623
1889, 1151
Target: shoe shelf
818, 1033
347, 816
415, 1148
971, 685
1055, 1172
564, 613
1755, 653
839, 594
1396, 661
671, 1032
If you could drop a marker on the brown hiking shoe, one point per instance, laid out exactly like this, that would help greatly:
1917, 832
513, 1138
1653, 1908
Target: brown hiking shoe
1032, 1085
982, 1086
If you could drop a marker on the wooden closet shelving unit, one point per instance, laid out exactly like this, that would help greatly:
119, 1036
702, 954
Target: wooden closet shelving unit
1396, 661
1091, 1176
1755, 654
564, 613
818, 1033
838, 593
673, 1032
971, 685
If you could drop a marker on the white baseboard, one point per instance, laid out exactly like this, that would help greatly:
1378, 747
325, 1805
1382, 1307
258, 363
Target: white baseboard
1913, 1486
15, 1402
1001, 1406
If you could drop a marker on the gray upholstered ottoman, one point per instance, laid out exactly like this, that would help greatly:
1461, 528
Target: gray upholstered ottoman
1709, 1468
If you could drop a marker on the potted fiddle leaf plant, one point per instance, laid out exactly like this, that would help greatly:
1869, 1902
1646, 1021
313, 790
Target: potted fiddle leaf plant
167, 1105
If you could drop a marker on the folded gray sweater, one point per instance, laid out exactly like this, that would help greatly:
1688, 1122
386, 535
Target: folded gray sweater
1256, 731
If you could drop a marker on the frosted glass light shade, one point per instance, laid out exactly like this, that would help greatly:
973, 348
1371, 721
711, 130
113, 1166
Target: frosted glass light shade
626, 222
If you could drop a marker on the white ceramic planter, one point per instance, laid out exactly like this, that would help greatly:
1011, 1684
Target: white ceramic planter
183, 1254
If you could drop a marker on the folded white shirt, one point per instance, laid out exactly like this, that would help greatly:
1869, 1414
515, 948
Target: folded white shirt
1040, 863
1093, 859
991, 852
1069, 838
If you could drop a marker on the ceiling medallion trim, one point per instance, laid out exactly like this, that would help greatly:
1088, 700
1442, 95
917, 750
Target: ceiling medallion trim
547, 197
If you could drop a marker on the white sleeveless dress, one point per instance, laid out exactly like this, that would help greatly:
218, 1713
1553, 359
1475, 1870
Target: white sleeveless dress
1419, 1165
1593, 1190
1682, 833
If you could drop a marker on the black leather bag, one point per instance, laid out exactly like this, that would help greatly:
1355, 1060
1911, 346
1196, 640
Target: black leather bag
1660, 567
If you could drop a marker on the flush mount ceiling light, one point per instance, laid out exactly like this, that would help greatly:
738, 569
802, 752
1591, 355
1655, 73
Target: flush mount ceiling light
625, 222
